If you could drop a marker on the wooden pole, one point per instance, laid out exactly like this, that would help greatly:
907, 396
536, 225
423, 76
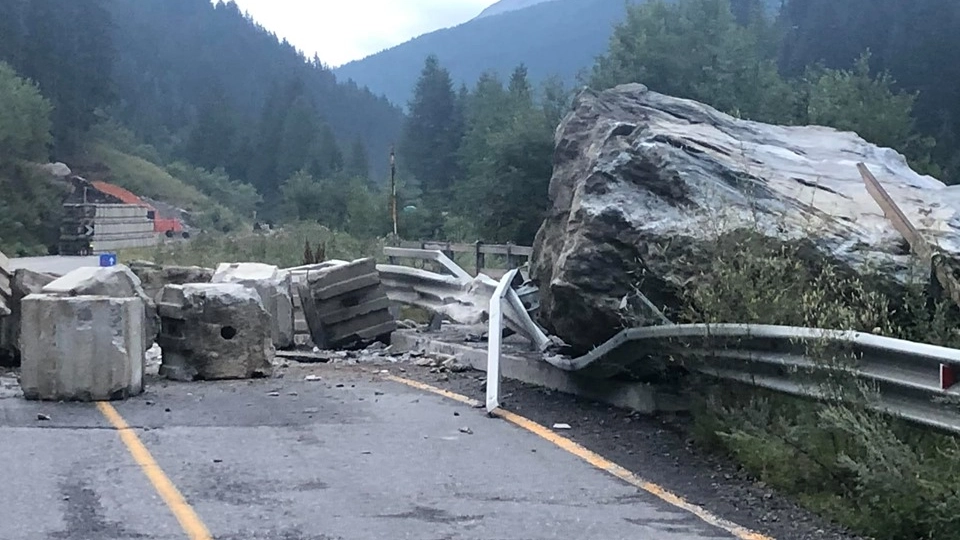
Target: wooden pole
393, 190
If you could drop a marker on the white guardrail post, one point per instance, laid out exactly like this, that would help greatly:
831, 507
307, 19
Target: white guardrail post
494, 340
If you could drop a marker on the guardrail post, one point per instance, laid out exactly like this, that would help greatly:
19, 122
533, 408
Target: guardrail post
481, 257
509, 256
495, 339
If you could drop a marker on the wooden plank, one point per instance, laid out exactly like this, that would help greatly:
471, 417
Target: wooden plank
918, 244
894, 213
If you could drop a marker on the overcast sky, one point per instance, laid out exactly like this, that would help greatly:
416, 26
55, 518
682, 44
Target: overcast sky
343, 30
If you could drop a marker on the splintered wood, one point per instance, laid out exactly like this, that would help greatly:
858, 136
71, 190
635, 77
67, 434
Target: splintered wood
941, 269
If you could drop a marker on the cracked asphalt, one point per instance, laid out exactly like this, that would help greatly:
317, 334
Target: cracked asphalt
350, 456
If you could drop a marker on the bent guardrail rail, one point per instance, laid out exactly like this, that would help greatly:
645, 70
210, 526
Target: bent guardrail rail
458, 296
914, 381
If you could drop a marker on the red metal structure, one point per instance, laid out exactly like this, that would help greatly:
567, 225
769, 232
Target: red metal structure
168, 226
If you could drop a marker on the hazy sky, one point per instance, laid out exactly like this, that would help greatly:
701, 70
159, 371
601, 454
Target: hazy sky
343, 30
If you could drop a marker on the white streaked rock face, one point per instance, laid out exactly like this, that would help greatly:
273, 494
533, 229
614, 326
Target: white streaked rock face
636, 171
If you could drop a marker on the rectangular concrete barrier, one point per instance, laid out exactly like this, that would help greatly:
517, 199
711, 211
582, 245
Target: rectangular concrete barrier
81, 348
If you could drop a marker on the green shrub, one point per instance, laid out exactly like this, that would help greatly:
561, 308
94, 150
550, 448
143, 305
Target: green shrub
882, 476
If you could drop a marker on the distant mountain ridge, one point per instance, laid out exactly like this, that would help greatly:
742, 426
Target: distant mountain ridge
551, 37
504, 6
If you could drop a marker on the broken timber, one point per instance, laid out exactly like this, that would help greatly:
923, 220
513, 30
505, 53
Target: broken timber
345, 305
940, 269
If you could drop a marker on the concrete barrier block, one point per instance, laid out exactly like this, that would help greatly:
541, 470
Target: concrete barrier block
81, 348
273, 285
115, 282
214, 331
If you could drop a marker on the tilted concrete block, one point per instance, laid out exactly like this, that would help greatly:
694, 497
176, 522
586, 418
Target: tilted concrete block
81, 348
346, 305
214, 331
273, 285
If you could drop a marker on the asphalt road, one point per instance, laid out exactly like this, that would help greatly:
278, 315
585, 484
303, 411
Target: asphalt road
352, 456
53, 264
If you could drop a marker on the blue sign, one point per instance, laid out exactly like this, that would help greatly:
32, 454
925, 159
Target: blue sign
108, 259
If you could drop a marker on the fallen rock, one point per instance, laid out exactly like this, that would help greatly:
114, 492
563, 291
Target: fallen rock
214, 331
273, 285
113, 282
81, 348
644, 184
155, 277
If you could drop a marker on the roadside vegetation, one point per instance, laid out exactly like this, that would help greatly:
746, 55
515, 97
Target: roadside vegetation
875, 474
284, 247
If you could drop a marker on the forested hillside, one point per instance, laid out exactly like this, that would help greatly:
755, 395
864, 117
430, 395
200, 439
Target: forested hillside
182, 100
193, 103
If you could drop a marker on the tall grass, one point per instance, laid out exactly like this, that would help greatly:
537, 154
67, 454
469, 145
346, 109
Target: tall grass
283, 247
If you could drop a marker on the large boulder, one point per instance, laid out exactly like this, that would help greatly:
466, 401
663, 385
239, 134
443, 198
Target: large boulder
644, 183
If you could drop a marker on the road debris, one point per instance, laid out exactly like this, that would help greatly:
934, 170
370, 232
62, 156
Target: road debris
43, 417
562, 426
214, 331
466, 430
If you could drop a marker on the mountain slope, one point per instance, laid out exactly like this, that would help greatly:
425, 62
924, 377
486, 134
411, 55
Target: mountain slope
176, 58
558, 37
504, 6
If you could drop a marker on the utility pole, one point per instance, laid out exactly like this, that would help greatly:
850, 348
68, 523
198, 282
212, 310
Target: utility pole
393, 189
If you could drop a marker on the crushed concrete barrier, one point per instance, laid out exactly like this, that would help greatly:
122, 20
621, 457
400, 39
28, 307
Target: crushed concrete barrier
345, 305
81, 348
214, 331
273, 285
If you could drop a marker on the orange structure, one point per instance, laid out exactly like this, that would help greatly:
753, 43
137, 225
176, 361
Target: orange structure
160, 225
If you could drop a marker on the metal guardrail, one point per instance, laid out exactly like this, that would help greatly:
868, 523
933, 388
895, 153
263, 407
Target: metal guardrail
458, 296
914, 381
494, 339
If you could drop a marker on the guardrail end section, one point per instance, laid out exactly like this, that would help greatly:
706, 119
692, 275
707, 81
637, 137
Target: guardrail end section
494, 338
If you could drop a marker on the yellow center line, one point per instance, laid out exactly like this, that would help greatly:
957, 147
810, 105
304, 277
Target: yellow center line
188, 518
597, 461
